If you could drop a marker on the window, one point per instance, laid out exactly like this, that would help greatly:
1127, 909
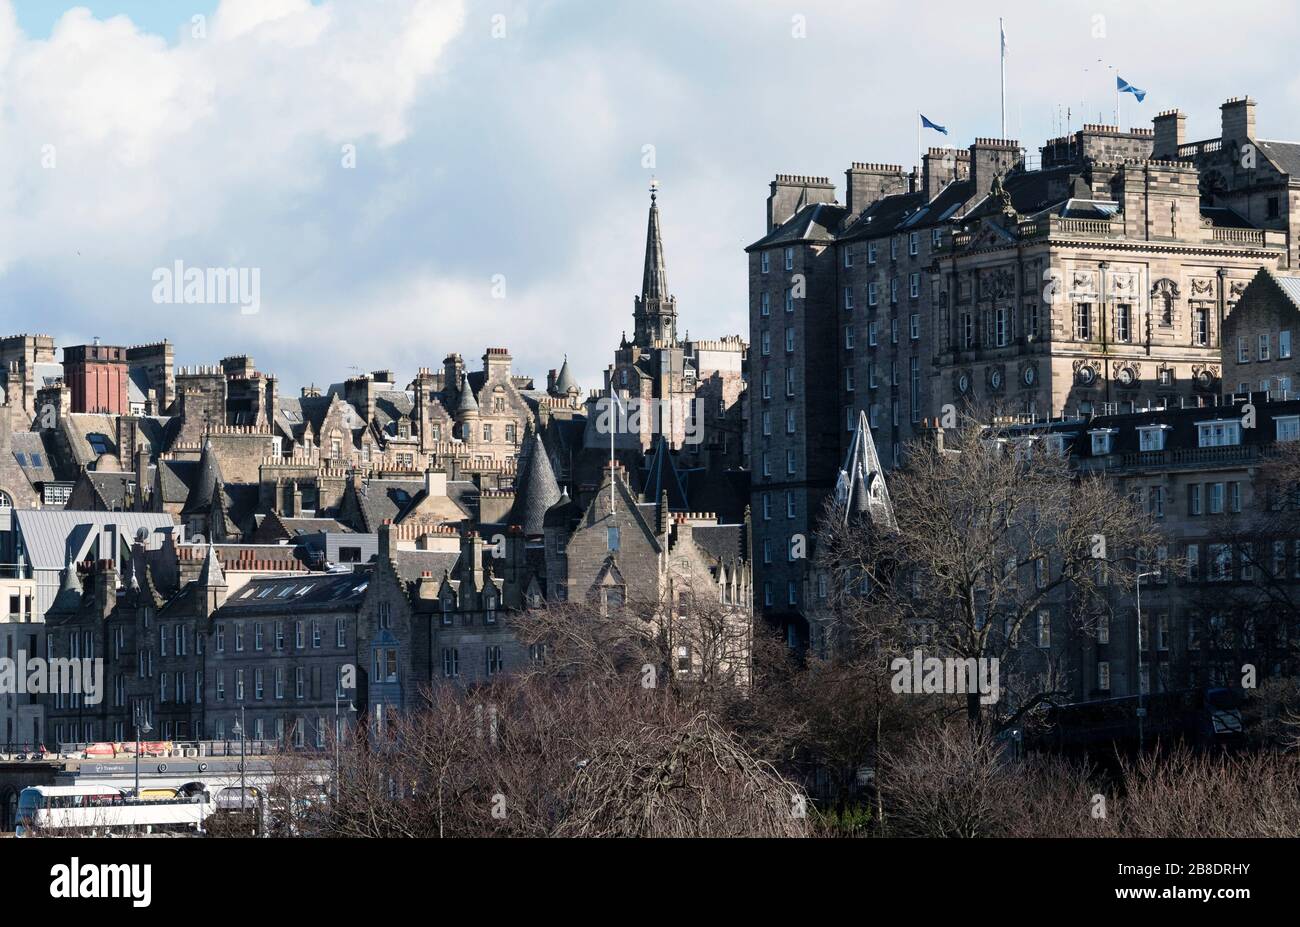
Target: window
848, 296
1002, 336
1218, 433
790, 462
873, 296
871, 334
1265, 346
789, 421
792, 592
789, 340
259, 689
767, 384
915, 373
257, 635
914, 285
1123, 322
490, 608
1288, 427
1101, 441
1044, 629
1156, 501
279, 682
1194, 499
848, 379
1152, 438
1216, 498
848, 257
767, 506
221, 686
789, 300
765, 342
1083, 321
893, 290
239, 635
1193, 562
893, 249
871, 254
914, 326
340, 632
1284, 345
848, 337
936, 237
789, 503
789, 258
893, 331
239, 685
1103, 676
1234, 496
162, 640
1219, 567
1243, 350
1200, 325
1103, 629
764, 262
299, 636
913, 243
789, 381
279, 635
493, 659
299, 682
315, 634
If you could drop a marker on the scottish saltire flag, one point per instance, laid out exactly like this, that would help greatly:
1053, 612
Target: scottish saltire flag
927, 124
1125, 87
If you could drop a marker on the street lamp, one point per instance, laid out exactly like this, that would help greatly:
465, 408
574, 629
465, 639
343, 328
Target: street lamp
1141, 710
338, 697
141, 727
238, 731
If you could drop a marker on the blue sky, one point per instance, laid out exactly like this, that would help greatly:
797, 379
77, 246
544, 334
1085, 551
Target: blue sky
498, 191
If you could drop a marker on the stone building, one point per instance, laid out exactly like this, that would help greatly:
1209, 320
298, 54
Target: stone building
1097, 282
1258, 353
687, 391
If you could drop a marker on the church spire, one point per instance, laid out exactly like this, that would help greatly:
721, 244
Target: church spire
654, 282
656, 310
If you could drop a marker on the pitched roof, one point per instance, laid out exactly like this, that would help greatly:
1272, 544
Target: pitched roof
1285, 155
814, 222
662, 476
860, 489
211, 573
203, 492
466, 402
537, 490
565, 381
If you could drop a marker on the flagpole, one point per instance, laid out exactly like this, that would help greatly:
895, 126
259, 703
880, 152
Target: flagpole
1002, 52
918, 149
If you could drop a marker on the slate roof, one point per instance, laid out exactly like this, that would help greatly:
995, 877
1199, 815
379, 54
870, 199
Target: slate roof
299, 593
1285, 155
722, 542
564, 380
176, 477
29, 451
814, 222
537, 490
662, 476
206, 485
465, 402
410, 564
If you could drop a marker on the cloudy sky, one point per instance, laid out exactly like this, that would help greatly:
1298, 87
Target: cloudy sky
497, 188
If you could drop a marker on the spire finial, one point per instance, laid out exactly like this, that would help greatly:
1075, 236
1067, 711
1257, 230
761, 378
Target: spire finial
654, 188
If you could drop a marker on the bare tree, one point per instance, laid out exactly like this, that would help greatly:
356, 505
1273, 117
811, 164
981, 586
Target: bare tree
993, 531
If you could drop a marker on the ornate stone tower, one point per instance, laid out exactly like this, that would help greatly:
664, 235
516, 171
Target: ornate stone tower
655, 315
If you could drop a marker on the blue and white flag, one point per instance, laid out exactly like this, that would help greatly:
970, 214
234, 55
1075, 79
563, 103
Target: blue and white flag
1125, 87
927, 124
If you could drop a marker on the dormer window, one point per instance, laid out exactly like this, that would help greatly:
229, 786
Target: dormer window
490, 608
1103, 440
1152, 437
1220, 433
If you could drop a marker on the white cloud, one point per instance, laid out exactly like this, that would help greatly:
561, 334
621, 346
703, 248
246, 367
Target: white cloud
518, 155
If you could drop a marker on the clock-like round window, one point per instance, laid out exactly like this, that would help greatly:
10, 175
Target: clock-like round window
1029, 376
1087, 375
995, 379
963, 383
1126, 376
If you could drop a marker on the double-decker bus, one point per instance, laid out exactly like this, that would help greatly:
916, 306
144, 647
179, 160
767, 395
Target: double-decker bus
107, 811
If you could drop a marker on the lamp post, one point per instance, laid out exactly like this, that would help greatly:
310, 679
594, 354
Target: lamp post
141, 727
1141, 710
239, 731
338, 696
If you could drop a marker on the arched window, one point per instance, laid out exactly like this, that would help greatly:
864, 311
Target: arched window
6, 500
